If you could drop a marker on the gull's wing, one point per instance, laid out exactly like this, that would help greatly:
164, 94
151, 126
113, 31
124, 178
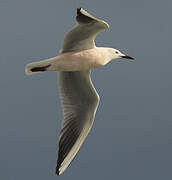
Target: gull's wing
79, 103
82, 36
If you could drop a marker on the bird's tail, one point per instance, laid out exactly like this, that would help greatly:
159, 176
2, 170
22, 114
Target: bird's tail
41, 66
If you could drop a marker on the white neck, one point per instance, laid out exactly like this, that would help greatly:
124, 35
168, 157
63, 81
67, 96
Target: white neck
108, 54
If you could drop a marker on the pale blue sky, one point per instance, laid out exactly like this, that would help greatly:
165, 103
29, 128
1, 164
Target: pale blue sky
132, 134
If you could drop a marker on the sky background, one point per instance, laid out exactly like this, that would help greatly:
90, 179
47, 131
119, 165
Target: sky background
132, 134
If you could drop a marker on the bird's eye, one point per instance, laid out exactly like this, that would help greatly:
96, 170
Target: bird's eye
116, 52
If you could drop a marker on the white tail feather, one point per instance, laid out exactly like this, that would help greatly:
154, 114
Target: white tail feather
46, 65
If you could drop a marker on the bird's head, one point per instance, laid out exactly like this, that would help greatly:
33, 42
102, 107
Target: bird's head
117, 54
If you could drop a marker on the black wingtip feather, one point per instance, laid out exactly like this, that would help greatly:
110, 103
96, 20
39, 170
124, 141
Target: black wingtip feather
82, 17
57, 172
78, 10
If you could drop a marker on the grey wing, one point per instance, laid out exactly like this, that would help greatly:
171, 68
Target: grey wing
82, 36
79, 103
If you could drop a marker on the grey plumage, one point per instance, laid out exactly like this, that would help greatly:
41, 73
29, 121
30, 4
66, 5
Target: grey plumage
79, 102
82, 36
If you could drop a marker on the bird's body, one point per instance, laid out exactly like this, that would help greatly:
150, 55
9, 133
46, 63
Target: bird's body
76, 60
79, 99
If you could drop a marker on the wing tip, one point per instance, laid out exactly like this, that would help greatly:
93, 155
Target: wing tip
84, 17
79, 10
57, 172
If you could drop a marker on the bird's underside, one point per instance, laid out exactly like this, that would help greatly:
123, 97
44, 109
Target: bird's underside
78, 96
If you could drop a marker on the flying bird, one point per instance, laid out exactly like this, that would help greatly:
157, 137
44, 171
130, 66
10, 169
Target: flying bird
79, 99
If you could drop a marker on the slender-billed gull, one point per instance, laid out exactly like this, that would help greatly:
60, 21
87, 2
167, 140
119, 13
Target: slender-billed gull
79, 99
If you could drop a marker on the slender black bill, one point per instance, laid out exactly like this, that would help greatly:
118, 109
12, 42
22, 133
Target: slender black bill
127, 57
